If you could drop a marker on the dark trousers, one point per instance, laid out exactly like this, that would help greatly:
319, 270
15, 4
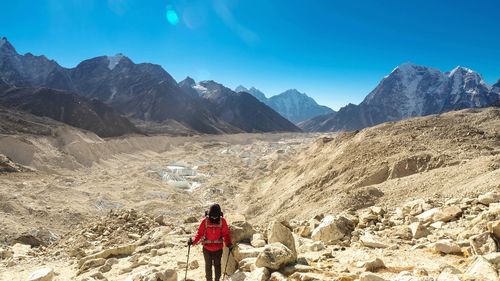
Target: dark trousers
212, 259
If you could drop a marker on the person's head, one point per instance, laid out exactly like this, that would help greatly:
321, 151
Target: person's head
214, 213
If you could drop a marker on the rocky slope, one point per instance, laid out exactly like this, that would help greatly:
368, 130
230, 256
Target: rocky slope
68, 108
408, 91
242, 110
291, 104
439, 156
413, 200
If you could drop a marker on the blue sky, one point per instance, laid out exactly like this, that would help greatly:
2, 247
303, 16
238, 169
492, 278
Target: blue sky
335, 51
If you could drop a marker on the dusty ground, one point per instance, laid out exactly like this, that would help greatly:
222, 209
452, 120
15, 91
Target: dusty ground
81, 177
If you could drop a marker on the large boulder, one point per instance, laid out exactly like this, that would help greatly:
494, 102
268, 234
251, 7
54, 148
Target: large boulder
232, 263
444, 214
275, 256
483, 244
447, 247
418, 230
259, 274
333, 229
238, 276
241, 231
481, 269
488, 198
494, 228
415, 207
277, 276
243, 251
278, 233
258, 240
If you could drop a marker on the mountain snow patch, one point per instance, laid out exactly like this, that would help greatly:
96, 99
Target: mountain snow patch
114, 61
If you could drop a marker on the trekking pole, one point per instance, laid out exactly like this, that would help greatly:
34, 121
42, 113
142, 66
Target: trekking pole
227, 261
187, 262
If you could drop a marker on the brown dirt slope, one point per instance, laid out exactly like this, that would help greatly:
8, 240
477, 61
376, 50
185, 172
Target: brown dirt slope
440, 155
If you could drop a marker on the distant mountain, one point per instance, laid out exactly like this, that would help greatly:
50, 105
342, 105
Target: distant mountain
144, 92
408, 91
291, 104
242, 110
68, 108
296, 106
252, 91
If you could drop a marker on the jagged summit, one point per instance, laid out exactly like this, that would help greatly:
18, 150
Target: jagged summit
187, 81
412, 90
6, 46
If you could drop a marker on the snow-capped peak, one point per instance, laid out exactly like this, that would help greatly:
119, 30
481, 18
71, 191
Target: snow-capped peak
200, 89
461, 69
114, 61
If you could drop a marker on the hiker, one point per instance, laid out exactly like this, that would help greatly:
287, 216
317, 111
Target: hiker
213, 233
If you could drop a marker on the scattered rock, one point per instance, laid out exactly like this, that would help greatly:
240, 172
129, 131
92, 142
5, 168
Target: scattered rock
91, 264
494, 228
258, 240
488, 198
481, 269
418, 230
368, 276
275, 256
447, 213
374, 265
332, 229
447, 247
483, 244
43, 274
278, 233
277, 276
247, 264
259, 274
372, 241
125, 250
241, 231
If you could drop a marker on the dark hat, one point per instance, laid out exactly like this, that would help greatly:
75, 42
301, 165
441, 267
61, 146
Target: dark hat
214, 213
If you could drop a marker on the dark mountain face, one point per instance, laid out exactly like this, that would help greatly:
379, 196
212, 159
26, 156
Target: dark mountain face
242, 110
68, 108
139, 91
30, 70
409, 91
187, 85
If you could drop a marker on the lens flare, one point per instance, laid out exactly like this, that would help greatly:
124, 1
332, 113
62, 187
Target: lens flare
172, 16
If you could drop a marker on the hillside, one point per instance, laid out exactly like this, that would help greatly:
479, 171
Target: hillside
456, 153
68, 108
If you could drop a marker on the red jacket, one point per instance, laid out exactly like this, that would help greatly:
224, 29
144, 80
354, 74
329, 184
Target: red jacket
213, 232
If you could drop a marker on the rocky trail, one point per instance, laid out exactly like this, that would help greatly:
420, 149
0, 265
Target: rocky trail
413, 200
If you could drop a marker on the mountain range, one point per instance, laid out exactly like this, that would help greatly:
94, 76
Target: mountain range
291, 104
239, 109
410, 90
112, 96
143, 93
